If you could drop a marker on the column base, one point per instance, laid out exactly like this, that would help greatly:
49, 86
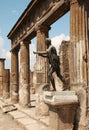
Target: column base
42, 108
24, 96
14, 97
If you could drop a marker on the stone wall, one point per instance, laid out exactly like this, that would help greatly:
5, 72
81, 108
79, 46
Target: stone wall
4, 80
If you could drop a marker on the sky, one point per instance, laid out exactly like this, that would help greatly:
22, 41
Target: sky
10, 11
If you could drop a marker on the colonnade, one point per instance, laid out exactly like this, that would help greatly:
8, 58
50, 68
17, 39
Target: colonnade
19, 82
79, 68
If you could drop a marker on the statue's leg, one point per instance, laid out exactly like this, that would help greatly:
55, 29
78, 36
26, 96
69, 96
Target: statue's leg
61, 77
51, 70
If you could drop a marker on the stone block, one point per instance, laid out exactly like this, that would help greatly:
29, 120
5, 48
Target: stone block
60, 97
62, 109
8, 108
42, 109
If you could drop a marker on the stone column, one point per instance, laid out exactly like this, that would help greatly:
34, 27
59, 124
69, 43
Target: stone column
14, 76
79, 41
41, 67
41, 70
79, 38
88, 60
24, 94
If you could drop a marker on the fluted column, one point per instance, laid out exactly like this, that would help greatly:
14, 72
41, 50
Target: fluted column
41, 63
41, 70
14, 76
79, 41
79, 38
24, 95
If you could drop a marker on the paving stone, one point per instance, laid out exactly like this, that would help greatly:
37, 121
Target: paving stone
45, 120
7, 123
17, 114
8, 107
36, 126
26, 118
26, 121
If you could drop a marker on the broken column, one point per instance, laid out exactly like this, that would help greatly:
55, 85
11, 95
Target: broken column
24, 93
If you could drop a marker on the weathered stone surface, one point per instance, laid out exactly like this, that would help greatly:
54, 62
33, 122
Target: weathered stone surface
81, 120
24, 92
24, 96
6, 83
14, 76
61, 105
60, 97
41, 108
8, 108
41, 66
64, 53
4, 80
45, 13
32, 88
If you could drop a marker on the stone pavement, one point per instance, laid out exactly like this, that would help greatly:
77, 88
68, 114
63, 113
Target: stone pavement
27, 117
7, 123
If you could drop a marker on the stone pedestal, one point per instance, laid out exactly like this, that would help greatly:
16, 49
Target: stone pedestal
63, 106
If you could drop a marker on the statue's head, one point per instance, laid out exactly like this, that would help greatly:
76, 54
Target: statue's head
48, 41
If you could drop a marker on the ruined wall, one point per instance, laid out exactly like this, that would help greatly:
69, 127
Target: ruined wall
4, 80
1, 76
6, 83
64, 52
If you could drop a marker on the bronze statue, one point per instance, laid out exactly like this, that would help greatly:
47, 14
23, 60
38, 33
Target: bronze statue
54, 62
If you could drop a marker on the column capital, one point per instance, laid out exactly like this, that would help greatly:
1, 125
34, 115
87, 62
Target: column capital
42, 28
73, 2
66, 1
15, 51
80, 2
25, 42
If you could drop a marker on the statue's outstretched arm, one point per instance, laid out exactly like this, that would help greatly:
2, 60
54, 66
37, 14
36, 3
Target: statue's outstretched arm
40, 52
